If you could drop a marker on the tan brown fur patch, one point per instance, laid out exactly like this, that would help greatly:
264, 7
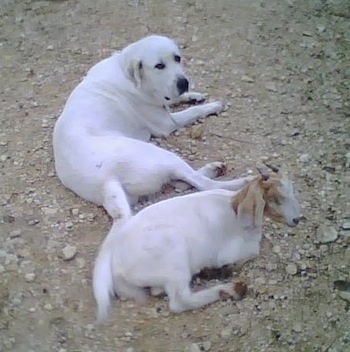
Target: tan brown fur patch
257, 194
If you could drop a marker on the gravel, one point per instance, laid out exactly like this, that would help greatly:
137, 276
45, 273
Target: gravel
282, 68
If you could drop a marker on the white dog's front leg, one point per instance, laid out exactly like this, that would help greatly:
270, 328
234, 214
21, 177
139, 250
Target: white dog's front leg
192, 114
190, 98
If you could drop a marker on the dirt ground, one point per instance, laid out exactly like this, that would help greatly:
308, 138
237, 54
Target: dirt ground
283, 68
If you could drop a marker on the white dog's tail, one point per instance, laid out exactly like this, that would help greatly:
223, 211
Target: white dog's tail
103, 282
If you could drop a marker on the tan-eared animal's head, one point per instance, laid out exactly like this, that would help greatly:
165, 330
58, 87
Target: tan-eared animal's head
269, 194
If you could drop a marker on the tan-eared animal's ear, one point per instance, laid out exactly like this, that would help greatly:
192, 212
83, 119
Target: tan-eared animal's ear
250, 208
135, 71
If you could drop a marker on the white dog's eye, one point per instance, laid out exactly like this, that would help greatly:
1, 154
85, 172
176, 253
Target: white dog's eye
177, 58
160, 66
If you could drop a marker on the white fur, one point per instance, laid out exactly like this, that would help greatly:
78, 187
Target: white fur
165, 244
100, 138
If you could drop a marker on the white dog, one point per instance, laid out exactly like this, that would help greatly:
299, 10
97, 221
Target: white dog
100, 139
165, 244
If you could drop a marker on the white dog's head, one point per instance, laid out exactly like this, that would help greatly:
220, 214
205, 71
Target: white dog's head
154, 65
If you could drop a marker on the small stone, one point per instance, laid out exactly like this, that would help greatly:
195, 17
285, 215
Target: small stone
15, 234
276, 249
196, 132
30, 277
49, 211
345, 295
291, 269
49, 47
69, 225
264, 158
206, 345
226, 333
304, 158
346, 226
271, 266
321, 28
297, 328
271, 87
69, 252
307, 34
48, 306
195, 348
326, 234
75, 211
247, 79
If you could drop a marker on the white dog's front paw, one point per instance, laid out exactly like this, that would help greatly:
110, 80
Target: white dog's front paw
194, 97
212, 108
212, 170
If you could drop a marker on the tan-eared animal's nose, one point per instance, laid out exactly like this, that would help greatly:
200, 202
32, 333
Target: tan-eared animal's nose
296, 221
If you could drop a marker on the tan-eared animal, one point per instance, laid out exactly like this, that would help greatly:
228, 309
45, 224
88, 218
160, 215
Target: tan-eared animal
165, 244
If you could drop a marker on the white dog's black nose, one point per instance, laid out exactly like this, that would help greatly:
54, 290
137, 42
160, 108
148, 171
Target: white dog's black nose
182, 85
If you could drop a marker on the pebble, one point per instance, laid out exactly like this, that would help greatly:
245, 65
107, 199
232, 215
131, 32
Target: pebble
69, 225
75, 211
206, 345
49, 211
195, 348
344, 295
265, 158
326, 234
276, 249
196, 132
48, 306
226, 333
347, 156
304, 158
271, 87
346, 226
291, 269
69, 252
247, 79
297, 328
271, 266
307, 34
30, 277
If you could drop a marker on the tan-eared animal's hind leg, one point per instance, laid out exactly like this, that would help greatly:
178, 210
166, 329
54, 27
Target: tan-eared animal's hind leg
181, 298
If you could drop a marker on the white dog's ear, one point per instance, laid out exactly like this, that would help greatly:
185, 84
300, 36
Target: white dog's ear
135, 71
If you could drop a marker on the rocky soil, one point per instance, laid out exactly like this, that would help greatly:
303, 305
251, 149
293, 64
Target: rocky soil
283, 68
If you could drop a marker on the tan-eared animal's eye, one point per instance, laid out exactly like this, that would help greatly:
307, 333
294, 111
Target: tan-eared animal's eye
277, 200
177, 58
